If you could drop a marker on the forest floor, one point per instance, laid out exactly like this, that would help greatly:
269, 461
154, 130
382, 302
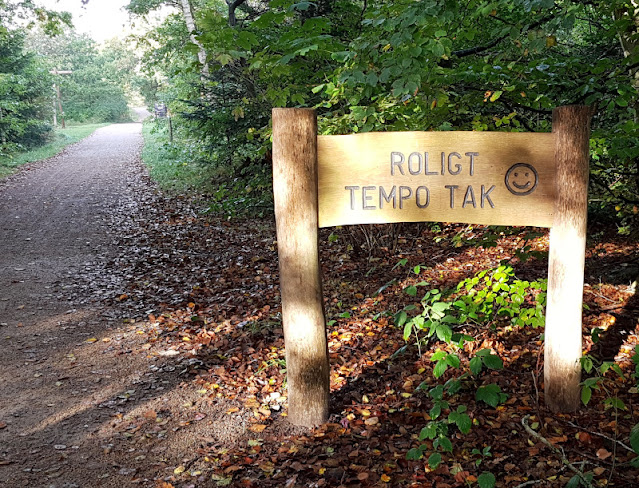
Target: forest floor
142, 346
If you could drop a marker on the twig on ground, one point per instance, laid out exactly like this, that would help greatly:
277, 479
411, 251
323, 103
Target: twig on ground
529, 483
599, 434
556, 450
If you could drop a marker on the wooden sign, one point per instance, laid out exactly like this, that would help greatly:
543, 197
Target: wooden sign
470, 177
467, 177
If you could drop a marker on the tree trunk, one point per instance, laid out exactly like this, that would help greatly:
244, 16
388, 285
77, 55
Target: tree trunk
295, 195
187, 11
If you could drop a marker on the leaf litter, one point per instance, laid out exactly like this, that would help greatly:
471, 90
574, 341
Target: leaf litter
204, 294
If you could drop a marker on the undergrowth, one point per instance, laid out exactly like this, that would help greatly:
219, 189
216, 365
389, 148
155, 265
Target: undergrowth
492, 298
184, 166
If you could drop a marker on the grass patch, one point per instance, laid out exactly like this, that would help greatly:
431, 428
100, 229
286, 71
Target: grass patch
174, 166
184, 167
61, 139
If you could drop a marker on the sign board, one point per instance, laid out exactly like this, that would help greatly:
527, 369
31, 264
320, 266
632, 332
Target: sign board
467, 177
499, 178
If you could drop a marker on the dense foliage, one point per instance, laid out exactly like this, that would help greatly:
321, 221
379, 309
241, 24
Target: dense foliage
94, 90
427, 65
35, 43
25, 96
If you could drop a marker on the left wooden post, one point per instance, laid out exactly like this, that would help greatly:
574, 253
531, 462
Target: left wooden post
296, 200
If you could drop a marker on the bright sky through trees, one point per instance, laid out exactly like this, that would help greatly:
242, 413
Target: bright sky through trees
100, 19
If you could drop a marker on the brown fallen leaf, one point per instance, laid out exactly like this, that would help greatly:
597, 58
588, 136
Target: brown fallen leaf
257, 428
150, 414
603, 453
3, 425
557, 439
163, 484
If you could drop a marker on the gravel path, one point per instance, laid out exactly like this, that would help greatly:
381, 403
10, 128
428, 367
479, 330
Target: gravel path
63, 354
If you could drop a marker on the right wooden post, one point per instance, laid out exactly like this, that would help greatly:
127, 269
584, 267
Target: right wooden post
563, 335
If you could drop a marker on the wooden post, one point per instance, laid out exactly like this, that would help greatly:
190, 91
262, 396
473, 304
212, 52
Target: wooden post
563, 335
59, 98
295, 196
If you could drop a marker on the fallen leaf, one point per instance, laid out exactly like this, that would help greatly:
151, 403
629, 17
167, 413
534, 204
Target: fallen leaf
557, 439
3, 425
150, 414
603, 453
257, 428
584, 437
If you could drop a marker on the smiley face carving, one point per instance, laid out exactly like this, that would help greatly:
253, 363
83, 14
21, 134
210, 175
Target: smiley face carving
521, 179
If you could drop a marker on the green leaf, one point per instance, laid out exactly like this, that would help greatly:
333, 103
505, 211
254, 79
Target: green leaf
453, 360
434, 460
586, 364
429, 431
440, 368
615, 402
438, 355
574, 482
489, 394
443, 442
475, 365
411, 290
444, 333
495, 96
486, 480
493, 361
224, 59
342, 56
400, 318
408, 330
462, 421
414, 454
586, 394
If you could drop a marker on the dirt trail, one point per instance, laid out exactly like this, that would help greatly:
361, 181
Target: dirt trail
63, 354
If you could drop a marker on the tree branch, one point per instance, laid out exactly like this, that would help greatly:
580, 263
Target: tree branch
557, 451
480, 49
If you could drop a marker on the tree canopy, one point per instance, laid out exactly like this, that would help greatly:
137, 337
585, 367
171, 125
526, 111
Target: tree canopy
407, 65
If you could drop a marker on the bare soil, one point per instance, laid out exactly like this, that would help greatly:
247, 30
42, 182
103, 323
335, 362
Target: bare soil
73, 368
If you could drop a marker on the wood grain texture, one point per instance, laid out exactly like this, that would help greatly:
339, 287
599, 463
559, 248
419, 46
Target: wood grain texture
563, 335
357, 174
295, 196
